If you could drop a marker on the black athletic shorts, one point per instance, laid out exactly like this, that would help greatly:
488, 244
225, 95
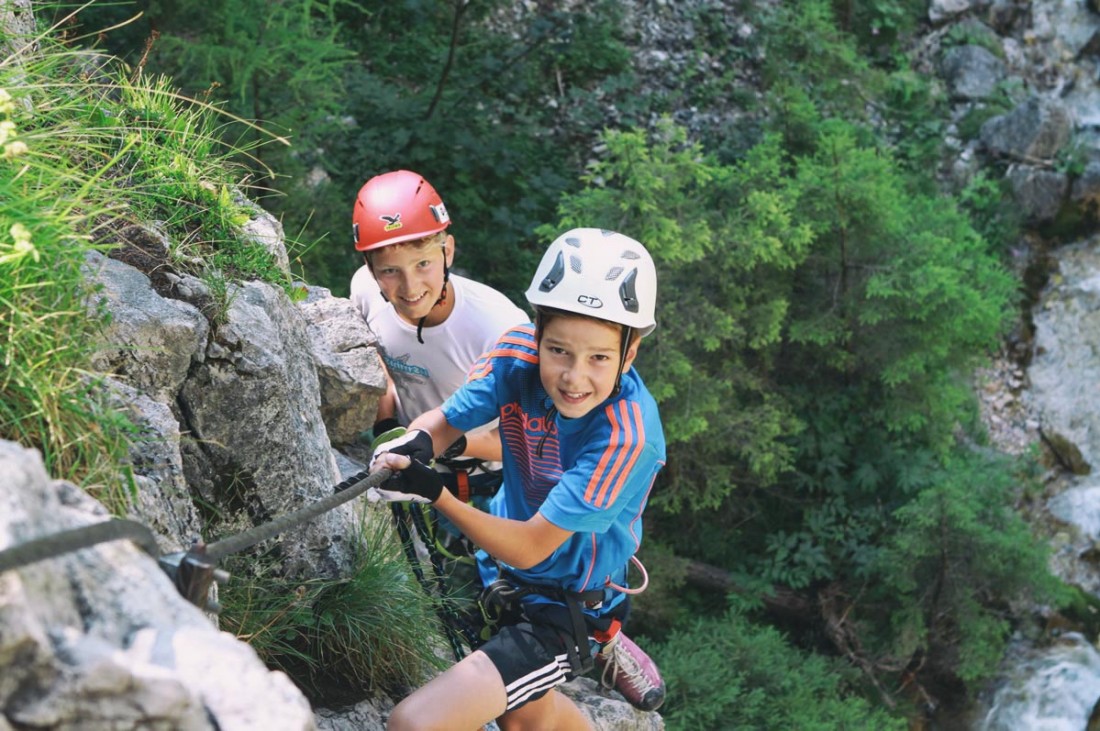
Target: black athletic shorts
531, 654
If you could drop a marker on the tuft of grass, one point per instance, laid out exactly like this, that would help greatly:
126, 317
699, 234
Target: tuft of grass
49, 399
338, 638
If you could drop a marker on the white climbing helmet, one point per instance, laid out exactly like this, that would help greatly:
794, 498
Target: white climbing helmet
598, 273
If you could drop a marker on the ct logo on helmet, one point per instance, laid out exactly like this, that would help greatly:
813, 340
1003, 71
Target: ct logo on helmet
392, 222
589, 301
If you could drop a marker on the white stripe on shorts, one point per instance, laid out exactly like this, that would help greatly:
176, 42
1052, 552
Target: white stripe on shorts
544, 678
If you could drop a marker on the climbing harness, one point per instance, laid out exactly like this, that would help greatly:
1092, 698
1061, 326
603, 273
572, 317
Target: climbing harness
503, 596
195, 571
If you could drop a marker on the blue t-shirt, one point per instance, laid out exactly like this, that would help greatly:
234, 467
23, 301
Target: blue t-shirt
592, 475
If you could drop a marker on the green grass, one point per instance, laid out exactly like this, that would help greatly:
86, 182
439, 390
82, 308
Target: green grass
340, 639
49, 399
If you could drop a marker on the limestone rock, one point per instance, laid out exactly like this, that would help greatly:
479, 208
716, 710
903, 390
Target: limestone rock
100, 639
972, 72
257, 442
151, 341
1039, 192
349, 368
1035, 130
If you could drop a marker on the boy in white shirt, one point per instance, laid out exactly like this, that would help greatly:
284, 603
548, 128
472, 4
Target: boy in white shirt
431, 325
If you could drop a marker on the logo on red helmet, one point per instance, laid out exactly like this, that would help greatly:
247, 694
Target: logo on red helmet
392, 222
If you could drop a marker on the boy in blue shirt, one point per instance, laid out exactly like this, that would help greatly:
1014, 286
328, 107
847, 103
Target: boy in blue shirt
582, 446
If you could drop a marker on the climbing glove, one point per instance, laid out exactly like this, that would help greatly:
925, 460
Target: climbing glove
418, 482
416, 444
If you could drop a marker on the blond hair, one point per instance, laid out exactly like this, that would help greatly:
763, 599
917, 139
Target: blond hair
439, 238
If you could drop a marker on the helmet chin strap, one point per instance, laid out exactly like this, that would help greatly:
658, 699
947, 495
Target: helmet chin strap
441, 301
623, 347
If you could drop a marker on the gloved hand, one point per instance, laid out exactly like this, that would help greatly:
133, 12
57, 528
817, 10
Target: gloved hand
416, 444
417, 483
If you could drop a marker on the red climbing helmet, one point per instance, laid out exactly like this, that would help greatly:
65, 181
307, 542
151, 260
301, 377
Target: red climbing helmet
395, 207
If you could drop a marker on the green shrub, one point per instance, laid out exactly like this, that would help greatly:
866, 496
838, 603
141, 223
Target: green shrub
341, 639
959, 556
726, 673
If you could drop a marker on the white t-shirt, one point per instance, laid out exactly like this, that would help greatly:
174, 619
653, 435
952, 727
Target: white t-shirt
425, 374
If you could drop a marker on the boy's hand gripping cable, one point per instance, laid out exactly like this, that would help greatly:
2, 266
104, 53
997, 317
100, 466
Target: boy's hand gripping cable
417, 483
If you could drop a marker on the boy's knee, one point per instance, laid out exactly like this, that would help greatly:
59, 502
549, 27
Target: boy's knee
403, 718
398, 721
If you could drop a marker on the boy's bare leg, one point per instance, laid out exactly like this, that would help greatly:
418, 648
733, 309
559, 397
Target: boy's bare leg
553, 712
467, 696
471, 694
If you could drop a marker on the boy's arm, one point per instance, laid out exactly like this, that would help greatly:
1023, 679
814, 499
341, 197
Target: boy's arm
484, 445
387, 403
442, 433
520, 543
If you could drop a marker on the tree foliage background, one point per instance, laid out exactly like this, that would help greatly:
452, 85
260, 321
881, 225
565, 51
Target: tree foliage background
822, 301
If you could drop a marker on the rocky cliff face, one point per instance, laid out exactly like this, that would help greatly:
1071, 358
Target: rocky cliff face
230, 417
101, 639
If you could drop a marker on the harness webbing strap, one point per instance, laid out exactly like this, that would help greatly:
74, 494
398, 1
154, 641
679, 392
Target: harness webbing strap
580, 653
482, 484
510, 590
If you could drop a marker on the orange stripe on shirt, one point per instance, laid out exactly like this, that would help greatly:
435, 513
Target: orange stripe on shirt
597, 474
480, 370
506, 352
638, 445
483, 367
591, 565
628, 440
513, 340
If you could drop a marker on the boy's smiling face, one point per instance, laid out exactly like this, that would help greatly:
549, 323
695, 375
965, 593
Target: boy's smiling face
579, 362
410, 275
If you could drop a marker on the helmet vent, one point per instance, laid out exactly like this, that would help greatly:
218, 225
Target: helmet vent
553, 277
575, 264
574, 242
613, 273
628, 254
627, 292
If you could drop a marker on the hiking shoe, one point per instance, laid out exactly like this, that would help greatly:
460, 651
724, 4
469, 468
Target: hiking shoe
625, 667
